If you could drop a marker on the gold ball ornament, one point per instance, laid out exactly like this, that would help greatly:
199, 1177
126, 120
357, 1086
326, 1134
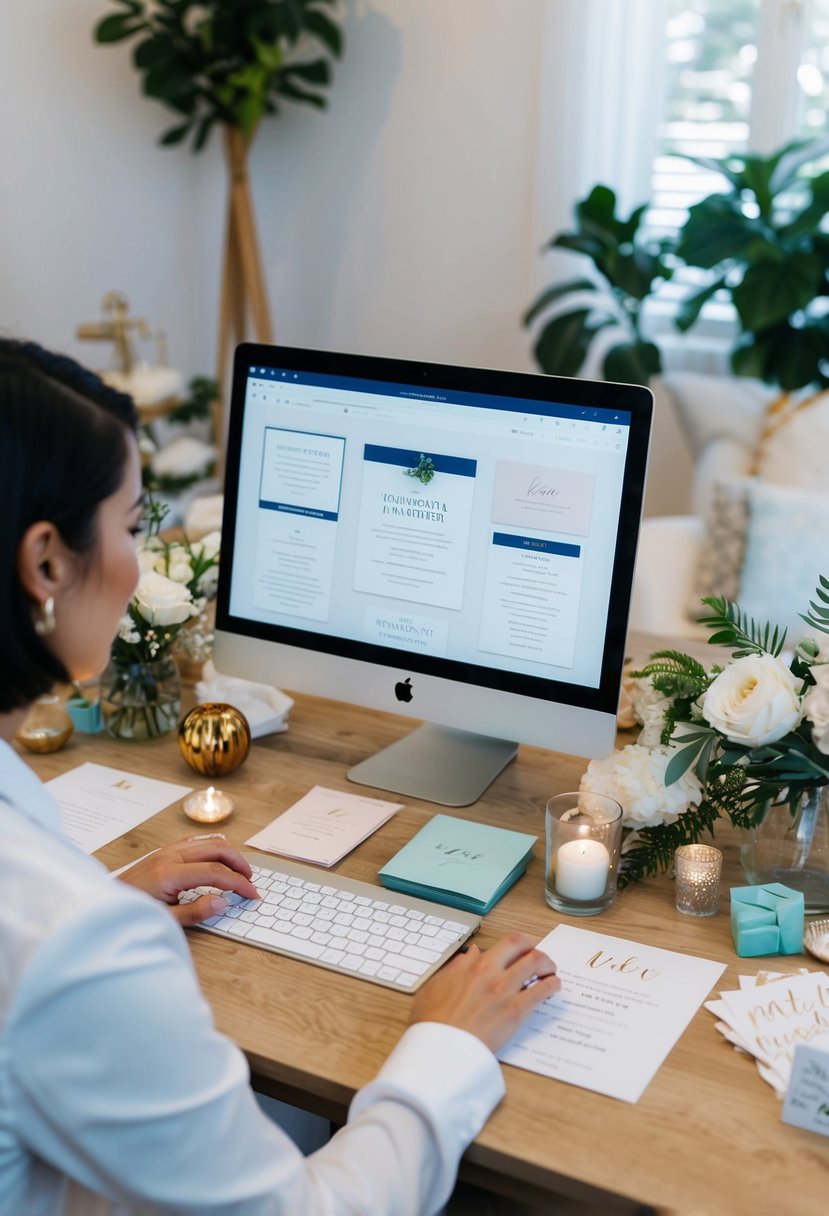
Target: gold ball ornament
214, 738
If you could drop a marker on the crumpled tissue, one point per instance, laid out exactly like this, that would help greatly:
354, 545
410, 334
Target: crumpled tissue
265, 708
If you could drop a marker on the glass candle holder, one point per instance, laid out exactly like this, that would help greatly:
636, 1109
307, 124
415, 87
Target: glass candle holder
584, 834
47, 726
698, 868
209, 806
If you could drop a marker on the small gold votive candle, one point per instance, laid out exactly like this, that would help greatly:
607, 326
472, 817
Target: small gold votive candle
698, 868
209, 806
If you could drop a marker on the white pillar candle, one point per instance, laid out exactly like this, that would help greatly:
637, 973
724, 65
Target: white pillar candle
582, 867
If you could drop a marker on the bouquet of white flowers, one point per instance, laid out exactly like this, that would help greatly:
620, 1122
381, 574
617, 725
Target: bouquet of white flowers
725, 742
177, 579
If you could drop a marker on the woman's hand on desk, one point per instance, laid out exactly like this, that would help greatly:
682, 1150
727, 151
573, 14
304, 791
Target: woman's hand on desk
489, 993
207, 862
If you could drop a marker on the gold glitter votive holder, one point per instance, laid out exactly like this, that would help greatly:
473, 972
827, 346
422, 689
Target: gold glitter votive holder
698, 868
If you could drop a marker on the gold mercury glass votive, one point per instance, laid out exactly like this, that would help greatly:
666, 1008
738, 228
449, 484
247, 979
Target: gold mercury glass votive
698, 868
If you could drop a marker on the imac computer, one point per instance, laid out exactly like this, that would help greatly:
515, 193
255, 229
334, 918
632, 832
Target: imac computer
444, 542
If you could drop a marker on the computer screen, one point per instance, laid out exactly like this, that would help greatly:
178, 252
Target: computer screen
450, 543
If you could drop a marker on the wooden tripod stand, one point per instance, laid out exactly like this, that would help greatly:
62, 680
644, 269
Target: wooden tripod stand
243, 284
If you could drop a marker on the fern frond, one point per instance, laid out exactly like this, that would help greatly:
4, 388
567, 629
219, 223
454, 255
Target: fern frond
738, 630
654, 848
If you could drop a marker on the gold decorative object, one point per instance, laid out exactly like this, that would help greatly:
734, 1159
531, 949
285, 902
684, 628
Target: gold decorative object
214, 738
47, 726
816, 939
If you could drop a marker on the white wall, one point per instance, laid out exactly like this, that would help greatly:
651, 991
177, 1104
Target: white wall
406, 220
396, 222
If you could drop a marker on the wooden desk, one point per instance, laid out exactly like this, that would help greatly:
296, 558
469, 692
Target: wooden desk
705, 1138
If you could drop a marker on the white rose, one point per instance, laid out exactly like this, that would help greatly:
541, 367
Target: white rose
816, 707
754, 701
147, 560
208, 546
160, 601
180, 570
635, 777
209, 582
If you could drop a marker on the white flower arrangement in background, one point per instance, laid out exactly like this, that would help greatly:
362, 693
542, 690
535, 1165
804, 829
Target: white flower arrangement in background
725, 742
177, 580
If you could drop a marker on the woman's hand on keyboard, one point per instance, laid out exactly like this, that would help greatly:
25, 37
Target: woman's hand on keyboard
489, 993
207, 861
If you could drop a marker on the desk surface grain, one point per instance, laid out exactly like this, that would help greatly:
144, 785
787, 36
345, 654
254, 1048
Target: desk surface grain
706, 1136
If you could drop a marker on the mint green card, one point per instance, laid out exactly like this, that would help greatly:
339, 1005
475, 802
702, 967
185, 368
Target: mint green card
468, 865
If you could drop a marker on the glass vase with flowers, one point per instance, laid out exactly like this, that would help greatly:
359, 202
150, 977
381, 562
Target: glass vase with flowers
141, 688
746, 741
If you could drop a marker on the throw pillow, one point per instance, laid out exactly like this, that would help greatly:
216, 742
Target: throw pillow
795, 454
721, 553
722, 417
786, 550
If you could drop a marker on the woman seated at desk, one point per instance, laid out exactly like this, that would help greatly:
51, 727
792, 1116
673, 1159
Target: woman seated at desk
115, 1088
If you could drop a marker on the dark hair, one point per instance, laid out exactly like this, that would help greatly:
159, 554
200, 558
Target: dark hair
62, 452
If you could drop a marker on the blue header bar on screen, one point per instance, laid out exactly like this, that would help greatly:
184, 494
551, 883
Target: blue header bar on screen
528, 407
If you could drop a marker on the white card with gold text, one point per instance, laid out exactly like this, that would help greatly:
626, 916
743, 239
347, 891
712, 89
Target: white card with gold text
98, 804
621, 1008
323, 826
773, 1019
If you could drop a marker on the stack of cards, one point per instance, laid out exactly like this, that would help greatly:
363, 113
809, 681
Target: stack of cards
771, 1014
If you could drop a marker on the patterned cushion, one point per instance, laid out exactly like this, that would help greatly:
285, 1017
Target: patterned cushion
720, 560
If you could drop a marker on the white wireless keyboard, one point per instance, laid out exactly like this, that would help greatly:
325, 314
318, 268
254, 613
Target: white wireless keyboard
336, 922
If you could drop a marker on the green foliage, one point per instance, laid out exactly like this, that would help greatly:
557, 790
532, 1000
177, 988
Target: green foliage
627, 269
762, 239
675, 674
226, 61
733, 628
651, 850
203, 392
818, 618
424, 470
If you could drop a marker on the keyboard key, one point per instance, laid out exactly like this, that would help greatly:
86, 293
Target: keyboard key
332, 956
418, 952
284, 941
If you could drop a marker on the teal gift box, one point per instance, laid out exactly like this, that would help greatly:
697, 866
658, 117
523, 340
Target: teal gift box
767, 920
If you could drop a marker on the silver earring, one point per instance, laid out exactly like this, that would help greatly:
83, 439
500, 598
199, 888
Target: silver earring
46, 622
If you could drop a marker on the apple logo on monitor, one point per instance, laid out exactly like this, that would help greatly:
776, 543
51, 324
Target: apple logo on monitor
403, 689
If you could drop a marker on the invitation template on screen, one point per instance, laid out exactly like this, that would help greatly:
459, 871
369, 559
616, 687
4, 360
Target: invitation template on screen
448, 527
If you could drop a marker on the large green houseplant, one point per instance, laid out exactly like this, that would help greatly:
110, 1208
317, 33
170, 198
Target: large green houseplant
627, 267
764, 242
226, 62
762, 239
229, 63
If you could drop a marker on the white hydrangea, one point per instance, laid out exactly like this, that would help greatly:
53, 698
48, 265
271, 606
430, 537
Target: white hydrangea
649, 707
635, 777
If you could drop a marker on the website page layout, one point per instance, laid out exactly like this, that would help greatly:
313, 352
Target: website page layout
439, 523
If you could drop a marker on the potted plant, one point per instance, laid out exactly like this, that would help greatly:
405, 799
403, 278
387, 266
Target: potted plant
226, 62
628, 267
230, 63
764, 242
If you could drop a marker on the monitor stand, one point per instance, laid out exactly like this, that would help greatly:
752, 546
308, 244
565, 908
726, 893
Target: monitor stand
437, 763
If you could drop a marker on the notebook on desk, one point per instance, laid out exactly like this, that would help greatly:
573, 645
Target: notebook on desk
454, 861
